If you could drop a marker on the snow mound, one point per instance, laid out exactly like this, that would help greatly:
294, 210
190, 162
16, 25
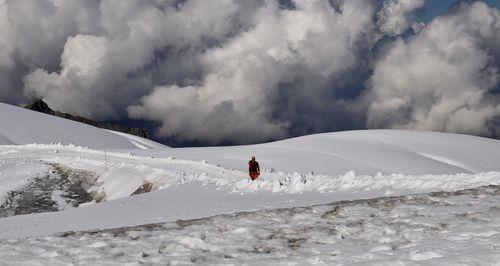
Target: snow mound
21, 126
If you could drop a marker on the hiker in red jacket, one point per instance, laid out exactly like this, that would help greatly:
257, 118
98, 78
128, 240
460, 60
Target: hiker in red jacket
253, 168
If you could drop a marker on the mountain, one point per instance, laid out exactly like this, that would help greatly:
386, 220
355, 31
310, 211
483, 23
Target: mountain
41, 106
20, 126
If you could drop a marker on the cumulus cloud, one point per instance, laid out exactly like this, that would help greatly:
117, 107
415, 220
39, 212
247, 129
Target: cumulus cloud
441, 79
240, 88
33, 34
121, 55
230, 71
395, 17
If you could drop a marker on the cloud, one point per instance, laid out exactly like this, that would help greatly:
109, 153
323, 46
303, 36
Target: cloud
240, 92
33, 34
120, 55
83, 66
228, 71
395, 16
441, 79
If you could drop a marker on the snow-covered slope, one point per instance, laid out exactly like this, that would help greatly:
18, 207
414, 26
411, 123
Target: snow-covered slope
363, 151
190, 189
192, 183
20, 126
186, 189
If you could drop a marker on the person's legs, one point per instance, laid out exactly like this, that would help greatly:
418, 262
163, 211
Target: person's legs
254, 176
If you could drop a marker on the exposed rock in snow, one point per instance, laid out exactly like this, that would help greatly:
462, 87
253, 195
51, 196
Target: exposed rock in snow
40, 106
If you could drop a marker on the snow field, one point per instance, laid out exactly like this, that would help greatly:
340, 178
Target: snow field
185, 189
366, 152
259, 222
120, 174
457, 228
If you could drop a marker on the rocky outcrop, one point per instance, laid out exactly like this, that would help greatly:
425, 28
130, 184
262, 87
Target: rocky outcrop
41, 106
145, 188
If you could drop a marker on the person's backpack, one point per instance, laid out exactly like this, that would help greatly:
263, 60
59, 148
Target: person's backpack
253, 166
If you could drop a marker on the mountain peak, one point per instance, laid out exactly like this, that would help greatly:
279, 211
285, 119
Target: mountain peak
40, 106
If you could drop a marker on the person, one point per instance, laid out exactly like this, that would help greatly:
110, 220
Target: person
253, 168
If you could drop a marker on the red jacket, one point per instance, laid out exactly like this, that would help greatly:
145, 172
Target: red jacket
253, 167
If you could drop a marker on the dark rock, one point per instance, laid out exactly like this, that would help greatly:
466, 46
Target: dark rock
40, 106
145, 188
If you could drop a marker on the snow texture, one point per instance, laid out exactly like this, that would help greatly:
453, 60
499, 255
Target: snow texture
461, 228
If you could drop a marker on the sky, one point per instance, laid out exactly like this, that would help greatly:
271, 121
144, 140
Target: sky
436, 7
220, 72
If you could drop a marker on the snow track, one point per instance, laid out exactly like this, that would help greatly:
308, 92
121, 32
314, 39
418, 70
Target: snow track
59, 189
454, 228
442, 159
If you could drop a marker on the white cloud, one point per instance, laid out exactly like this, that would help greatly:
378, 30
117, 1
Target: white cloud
95, 67
395, 16
232, 102
82, 65
440, 79
248, 71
